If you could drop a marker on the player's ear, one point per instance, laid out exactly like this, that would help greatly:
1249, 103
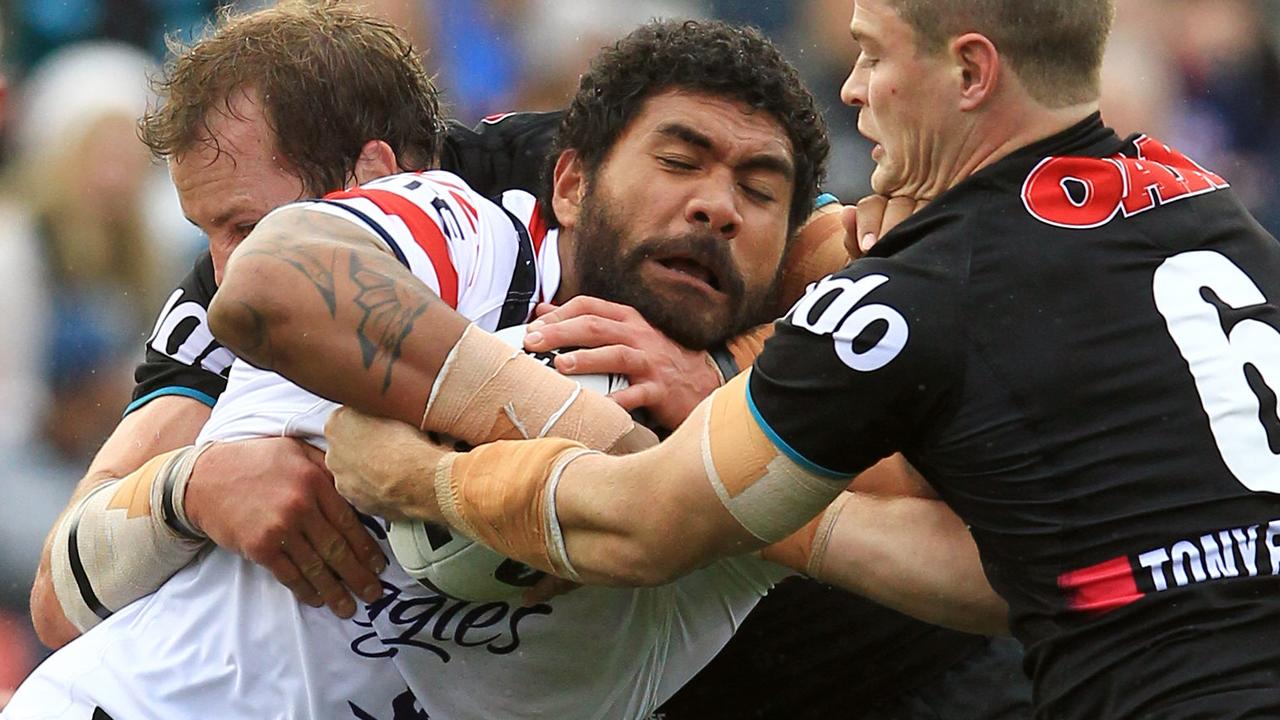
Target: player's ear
568, 186
978, 66
376, 160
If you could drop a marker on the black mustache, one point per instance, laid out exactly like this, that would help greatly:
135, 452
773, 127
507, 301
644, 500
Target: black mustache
708, 251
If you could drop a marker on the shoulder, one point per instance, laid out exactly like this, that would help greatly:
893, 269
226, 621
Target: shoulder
501, 152
873, 308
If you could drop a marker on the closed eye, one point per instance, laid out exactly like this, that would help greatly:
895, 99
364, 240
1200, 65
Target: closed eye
676, 163
757, 195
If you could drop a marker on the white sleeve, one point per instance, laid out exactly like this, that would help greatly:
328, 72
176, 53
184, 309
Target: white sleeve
466, 248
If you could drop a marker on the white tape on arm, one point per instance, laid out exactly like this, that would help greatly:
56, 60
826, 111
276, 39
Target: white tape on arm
124, 539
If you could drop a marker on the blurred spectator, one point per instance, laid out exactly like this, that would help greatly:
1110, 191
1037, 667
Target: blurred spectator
502, 55
557, 39
1140, 87
77, 265
824, 51
104, 216
91, 241
1230, 117
43, 26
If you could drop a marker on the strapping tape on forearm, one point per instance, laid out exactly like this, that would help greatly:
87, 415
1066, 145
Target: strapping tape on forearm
124, 539
489, 391
502, 495
767, 492
805, 549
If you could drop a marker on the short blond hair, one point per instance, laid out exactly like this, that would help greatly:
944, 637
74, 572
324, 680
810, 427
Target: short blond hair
1054, 46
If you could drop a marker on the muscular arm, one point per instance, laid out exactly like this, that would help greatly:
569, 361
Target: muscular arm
314, 298
714, 488
916, 556
161, 425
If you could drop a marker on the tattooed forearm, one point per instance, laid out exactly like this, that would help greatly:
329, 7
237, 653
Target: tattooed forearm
389, 308
315, 264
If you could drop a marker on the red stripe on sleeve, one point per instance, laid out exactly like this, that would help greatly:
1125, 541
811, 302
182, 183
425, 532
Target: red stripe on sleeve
537, 228
1102, 587
424, 230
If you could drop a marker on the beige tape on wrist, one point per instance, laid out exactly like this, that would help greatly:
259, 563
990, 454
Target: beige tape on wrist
124, 539
489, 391
502, 495
805, 549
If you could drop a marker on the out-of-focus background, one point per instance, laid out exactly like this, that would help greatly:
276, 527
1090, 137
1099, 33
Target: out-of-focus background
92, 240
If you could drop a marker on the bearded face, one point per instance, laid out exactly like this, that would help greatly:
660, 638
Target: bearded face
689, 286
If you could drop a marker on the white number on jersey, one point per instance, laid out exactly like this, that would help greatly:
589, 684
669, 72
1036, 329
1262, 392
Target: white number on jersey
1218, 359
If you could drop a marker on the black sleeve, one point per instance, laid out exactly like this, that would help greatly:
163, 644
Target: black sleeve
858, 367
182, 357
503, 152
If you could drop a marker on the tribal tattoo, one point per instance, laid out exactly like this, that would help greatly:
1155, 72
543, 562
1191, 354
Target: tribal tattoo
385, 296
390, 308
319, 271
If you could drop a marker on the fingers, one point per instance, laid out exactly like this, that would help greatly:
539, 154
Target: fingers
618, 359
876, 215
634, 396
849, 219
870, 218
588, 331
343, 542
315, 572
548, 587
585, 305
287, 572
897, 210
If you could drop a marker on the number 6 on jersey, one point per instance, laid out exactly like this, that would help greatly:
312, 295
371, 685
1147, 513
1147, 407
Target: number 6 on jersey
1219, 359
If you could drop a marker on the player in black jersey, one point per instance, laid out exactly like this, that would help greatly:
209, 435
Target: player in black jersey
185, 370
1077, 341
892, 661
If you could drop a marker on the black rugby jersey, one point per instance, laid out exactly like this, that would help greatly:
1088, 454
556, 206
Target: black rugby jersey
1080, 347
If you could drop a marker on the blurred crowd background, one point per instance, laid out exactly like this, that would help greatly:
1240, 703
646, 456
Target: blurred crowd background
92, 240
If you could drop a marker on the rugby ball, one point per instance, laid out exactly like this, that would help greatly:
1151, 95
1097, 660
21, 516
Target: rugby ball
452, 564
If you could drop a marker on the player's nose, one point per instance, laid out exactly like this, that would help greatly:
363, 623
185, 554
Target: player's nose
854, 91
715, 206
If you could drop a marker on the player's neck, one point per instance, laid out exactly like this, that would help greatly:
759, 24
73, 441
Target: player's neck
569, 285
1009, 132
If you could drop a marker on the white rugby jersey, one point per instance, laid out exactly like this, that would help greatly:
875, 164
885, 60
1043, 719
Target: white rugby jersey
224, 638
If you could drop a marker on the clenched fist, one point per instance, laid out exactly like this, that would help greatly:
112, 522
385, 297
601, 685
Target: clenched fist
383, 467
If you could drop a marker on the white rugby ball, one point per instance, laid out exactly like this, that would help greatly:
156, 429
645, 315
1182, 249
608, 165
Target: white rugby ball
452, 564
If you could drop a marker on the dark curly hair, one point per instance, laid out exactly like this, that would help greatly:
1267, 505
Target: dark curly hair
708, 56
329, 76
